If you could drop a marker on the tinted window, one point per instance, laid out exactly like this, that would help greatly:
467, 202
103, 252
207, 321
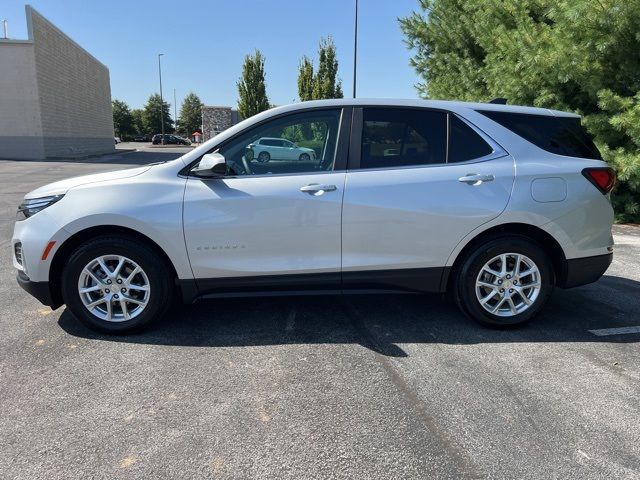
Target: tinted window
315, 134
464, 143
394, 137
559, 135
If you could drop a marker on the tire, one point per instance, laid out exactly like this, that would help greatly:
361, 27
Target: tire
151, 285
304, 157
264, 157
475, 285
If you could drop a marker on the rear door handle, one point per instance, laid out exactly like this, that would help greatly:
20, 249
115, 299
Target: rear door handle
476, 178
316, 189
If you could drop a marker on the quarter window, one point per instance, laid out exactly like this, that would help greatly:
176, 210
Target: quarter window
403, 137
559, 135
311, 139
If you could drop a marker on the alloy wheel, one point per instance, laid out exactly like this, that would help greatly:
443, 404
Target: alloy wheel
114, 288
508, 284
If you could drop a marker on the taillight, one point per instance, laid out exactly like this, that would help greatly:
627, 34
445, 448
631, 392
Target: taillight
604, 178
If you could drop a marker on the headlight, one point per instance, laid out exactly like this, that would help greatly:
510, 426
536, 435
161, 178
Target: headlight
31, 206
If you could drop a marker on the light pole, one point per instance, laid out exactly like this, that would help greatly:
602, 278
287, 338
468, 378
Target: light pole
161, 101
355, 50
175, 111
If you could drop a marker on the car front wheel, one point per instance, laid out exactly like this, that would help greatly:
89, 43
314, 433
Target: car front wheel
504, 282
116, 285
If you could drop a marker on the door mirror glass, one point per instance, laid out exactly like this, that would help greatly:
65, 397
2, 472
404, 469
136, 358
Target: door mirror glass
211, 165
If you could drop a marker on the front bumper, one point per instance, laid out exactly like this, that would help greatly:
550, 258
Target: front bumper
580, 271
39, 290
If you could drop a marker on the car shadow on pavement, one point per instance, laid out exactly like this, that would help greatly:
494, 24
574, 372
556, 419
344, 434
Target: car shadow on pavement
381, 322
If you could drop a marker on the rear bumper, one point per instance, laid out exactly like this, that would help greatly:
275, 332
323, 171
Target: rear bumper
39, 290
580, 271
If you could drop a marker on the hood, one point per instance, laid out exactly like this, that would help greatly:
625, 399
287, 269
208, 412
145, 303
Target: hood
63, 186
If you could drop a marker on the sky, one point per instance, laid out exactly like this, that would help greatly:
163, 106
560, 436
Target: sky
204, 43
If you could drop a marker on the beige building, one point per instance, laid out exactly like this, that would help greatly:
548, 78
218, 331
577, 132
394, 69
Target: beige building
55, 98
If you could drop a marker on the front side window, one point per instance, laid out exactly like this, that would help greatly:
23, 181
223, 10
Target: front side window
311, 139
396, 137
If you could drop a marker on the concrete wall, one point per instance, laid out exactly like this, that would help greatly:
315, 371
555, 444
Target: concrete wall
20, 128
74, 93
55, 98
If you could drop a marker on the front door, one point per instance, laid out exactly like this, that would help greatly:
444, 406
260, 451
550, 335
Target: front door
266, 224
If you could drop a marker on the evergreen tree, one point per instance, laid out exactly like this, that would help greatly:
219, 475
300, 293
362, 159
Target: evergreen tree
576, 55
252, 90
190, 114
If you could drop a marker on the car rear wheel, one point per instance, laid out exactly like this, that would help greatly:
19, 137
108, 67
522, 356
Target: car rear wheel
504, 282
304, 157
116, 285
264, 157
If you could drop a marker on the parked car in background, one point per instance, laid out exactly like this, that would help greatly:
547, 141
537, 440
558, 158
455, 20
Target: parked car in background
170, 140
265, 149
142, 138
117, 139
495, 204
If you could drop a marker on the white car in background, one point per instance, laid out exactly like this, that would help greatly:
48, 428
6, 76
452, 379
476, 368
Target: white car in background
496, 204
266, 148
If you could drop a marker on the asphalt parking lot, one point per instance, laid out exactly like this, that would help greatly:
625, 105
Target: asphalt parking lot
362, 387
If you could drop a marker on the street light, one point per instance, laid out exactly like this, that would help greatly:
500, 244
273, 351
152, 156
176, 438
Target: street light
161, 101
355, 50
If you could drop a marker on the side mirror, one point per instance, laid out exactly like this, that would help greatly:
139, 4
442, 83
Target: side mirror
211, 165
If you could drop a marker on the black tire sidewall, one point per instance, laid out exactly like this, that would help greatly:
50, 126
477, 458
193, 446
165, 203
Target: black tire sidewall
160, 295
304, 157
466, 279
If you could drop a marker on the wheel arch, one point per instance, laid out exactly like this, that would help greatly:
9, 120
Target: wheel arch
544, 239
82, 236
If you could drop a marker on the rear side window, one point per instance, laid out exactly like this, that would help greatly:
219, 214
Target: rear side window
394, 137
464, 143
559, 135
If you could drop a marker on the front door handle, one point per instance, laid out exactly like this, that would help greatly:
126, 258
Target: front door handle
316, 189
476, 178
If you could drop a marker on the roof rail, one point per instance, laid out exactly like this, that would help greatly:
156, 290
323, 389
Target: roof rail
499, 101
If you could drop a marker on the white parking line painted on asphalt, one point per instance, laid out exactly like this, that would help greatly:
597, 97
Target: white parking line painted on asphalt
603, 332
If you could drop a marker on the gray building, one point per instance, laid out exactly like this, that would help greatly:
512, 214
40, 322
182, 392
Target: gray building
215, 119
55, 98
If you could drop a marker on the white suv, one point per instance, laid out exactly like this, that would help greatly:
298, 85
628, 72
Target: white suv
265, 149
495, 204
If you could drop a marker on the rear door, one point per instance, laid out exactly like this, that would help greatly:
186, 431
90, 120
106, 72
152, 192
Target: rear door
418, 181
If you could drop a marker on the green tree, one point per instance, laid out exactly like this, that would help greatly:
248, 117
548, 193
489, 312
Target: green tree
252, 90
326, 83
122, 119
305, 79
576, 55
137, 117
151, 115
190, 117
